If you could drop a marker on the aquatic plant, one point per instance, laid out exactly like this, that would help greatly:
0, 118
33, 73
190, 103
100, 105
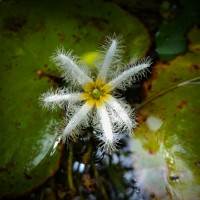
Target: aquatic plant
92, 98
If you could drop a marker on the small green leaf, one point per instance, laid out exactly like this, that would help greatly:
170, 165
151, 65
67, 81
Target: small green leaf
170, 37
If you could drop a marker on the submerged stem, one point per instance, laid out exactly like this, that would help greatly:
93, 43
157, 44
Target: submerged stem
102, 188
69, 168
190, 81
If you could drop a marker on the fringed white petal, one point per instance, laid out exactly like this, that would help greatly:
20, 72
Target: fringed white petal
108, 146
68, 65
65, 97
76, 119
57, 98
126, 75
105, 123
122, 113
108, 60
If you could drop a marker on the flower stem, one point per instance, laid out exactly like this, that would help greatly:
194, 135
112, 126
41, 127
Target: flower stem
69, 168
153, 97
102, 188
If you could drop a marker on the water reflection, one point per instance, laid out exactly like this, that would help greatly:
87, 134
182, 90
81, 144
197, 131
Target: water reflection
79, 167
145, 172
45, 146
164, 174
113, 174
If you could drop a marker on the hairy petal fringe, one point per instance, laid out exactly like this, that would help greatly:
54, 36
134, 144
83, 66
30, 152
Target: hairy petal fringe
105, 123
57, 98
108, 59
135, 71
112, 55
106, 145
76, 119
122, 113
67, 64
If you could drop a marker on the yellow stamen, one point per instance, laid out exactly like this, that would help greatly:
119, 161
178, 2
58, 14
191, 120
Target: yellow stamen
96, 93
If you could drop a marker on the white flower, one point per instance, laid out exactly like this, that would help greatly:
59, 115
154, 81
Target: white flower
91, 100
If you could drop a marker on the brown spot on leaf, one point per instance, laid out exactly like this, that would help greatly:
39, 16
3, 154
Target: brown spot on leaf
76, 37
148, 83
61, 36
27, 176
18, 125
194, 68
164, 64
100, 24
39, 72
51, 77
141, 118
3, 170
8, 66
14, 23
197, 164
181, 104
41, 24
147, 86
176, 80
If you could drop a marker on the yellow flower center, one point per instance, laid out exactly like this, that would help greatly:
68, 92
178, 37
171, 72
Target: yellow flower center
95, 93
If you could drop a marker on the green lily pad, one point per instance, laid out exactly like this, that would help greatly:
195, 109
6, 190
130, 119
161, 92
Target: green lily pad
30, 32
170, 37
167, 141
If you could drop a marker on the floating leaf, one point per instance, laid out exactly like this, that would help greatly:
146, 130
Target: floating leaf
170, 37
167, 141
30, 32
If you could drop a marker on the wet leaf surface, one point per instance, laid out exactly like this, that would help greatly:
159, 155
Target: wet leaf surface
30, 32
166, 144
